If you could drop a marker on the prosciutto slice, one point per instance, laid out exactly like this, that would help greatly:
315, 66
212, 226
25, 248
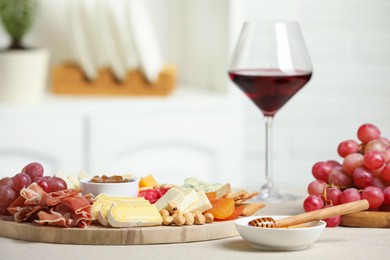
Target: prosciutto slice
66, 208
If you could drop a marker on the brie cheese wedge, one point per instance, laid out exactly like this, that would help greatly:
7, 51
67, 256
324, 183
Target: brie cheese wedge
126, 215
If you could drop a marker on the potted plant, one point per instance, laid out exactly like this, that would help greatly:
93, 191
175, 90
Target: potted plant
23, 69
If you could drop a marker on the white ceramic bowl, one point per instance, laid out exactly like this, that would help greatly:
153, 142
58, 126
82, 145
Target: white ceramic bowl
125, 189
280, 239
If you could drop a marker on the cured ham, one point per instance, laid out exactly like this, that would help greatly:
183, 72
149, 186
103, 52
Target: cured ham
66, 208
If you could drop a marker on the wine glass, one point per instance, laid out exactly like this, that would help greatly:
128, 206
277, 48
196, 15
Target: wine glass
270, 64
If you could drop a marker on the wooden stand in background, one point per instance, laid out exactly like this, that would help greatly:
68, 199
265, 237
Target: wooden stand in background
69, 79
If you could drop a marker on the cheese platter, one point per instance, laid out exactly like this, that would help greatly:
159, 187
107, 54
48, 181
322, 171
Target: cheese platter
54, 209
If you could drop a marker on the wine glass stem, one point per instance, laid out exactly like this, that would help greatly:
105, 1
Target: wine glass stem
268, 154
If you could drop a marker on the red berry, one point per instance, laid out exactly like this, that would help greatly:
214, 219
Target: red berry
322, 170
313, 202
368, 132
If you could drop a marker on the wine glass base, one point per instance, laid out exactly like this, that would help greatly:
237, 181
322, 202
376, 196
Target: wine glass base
269, 193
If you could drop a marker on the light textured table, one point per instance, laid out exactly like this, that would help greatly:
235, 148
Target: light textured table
335, 243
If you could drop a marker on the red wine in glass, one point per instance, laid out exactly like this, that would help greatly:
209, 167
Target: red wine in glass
269, 89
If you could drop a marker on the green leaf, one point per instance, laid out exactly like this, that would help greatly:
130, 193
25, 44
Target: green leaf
17, 17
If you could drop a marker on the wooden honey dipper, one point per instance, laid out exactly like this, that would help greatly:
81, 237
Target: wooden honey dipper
347, 208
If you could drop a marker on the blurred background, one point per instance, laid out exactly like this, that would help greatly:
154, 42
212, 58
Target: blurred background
205, 127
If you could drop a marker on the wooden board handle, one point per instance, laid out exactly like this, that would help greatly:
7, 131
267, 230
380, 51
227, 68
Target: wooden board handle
342, 209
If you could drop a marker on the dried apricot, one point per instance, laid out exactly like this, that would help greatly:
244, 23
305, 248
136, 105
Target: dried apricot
212, 195
222, 208
237, 212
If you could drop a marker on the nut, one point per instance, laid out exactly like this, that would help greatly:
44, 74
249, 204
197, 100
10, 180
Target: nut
167, 220
172, 208
199, 219
179, 220
209, 218
164, 212
189, 218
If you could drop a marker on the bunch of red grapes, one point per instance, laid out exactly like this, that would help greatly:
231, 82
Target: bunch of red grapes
363, 174
10, 186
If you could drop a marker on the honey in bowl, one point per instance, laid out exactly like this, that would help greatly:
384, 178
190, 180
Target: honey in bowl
110, 179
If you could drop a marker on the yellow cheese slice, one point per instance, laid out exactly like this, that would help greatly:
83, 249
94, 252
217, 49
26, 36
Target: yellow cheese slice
105, 199
126, 215
101, 208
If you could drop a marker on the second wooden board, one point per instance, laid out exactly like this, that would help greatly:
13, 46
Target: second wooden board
369, 219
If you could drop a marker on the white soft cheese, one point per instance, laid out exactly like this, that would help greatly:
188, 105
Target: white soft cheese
201, 204
104, 199
190, 195
101, 208
173, 195
125, 215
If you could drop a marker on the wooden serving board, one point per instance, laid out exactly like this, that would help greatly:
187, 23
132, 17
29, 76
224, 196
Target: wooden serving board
369, 219
99, 235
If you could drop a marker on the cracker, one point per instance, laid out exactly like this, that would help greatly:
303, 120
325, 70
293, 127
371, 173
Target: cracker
247, 197
252, 208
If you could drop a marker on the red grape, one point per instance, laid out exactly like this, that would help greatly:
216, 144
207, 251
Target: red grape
373, 160
352, 161
316, 187
339, 178
321, 170
364, 174
33, 169
362, 177
347, 147
377, 182
368, 132
386, 155
6, 181
375, 145
386, 195
7, 195
313, 202
56, 184
374, 196
332, 221
334, 163
333, 195
20, 180
350, 195
386, 172
43, 182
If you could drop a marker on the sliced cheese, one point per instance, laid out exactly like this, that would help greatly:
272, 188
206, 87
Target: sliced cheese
173, 195
102, 214
125, 215
190, 195
223, 191
97, 205
100, 209
201, 204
